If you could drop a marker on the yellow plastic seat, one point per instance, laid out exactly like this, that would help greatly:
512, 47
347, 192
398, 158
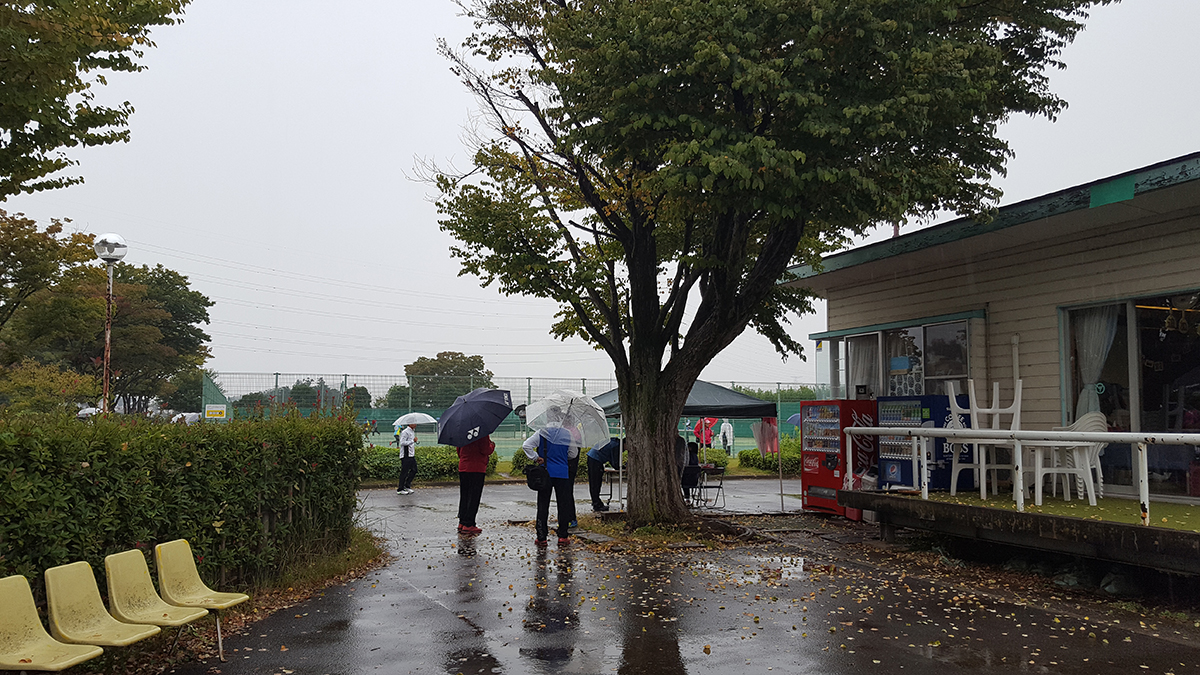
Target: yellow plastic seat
131, 594
77, 615
24, 643
180, 584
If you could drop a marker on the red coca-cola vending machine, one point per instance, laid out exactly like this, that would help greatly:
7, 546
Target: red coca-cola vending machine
824, 455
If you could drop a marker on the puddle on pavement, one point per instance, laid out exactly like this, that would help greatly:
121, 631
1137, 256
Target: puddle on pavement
765, 570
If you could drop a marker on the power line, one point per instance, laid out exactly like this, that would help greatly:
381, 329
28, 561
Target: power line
371, 319
373, 349
353, 301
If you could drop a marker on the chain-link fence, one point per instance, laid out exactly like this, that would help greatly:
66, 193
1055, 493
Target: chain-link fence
380, 399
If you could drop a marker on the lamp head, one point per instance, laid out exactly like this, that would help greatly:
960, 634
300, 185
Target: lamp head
110, 247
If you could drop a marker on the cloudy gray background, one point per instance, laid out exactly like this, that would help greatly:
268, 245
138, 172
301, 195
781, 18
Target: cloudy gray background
274, 142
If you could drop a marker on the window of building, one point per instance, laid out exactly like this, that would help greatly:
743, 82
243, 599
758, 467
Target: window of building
1154, 387
909, 361
945, 357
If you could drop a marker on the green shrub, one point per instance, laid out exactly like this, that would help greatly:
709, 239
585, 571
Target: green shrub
792, 458
437, 462
750, 459
714, 456
519, 460
250, 496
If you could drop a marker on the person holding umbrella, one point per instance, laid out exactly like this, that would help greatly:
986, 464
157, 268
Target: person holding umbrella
407, 440
704, 431
551, 450
472, 467
609, 453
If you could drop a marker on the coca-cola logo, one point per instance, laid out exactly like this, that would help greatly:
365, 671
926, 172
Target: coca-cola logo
812, 464
864, 446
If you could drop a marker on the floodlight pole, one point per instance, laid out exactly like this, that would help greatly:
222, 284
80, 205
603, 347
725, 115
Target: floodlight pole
104, 405
110, 248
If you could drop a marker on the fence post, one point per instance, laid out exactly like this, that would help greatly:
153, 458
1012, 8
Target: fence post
583, 383
410, 388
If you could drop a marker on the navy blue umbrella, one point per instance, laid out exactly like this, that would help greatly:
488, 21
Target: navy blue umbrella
473, 415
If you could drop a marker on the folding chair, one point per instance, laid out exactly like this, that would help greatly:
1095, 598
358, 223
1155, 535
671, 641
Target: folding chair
179, 583
77, 615
132, 598
24, 643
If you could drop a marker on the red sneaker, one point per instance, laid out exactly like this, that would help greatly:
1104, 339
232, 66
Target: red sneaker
470, 529
562, 541
540, 542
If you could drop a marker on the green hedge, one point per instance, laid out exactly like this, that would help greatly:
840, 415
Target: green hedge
792, 460
250, 496
437, 462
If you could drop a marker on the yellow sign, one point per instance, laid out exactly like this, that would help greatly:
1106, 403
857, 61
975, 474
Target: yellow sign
214, 412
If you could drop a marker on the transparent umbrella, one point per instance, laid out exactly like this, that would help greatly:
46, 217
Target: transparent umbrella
570, 410
414, 418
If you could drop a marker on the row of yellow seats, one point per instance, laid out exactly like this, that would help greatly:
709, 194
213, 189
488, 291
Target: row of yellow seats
79, 623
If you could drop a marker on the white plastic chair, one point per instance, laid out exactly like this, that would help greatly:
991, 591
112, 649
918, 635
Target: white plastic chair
954, 447
985, 459
1076, 461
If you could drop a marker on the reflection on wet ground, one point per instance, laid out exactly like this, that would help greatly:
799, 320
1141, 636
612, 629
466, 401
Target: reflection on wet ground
496, 603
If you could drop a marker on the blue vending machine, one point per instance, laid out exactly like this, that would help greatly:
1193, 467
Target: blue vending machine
895, 452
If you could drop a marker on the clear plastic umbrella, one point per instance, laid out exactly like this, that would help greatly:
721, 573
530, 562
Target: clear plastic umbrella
414, 418
573, 411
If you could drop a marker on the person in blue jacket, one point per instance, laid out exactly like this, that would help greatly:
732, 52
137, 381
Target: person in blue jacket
608, 452
552, 450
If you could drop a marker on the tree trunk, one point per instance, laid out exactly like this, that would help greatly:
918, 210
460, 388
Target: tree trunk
651, 406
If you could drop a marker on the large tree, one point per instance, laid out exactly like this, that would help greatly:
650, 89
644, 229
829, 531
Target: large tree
156, 329
55, 54
656, 165
32, 259
438, 381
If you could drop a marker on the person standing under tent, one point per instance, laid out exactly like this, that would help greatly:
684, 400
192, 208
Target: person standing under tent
608, 452
550, 449
472, 467
704, 432
727, 436
407, 441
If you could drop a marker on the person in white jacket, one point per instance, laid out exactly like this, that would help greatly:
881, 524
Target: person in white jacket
727, 436
408, 459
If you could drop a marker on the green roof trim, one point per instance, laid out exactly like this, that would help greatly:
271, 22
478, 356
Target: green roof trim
1110, 190
908, 323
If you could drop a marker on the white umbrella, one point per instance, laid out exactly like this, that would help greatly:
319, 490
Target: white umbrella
413, 418
573, 411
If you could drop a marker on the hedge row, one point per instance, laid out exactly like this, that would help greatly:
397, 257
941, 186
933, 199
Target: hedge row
438, 462
250, 496
790, 450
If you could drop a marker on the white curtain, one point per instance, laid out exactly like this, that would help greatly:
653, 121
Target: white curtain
864, 362
1094, 330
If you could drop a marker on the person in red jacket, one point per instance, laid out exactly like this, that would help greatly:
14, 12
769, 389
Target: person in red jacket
472, 465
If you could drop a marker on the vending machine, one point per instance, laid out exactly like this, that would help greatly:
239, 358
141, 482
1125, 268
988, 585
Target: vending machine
895, 452
822, 443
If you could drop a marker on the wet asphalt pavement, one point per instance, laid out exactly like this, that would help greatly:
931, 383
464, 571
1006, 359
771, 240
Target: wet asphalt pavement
811, 603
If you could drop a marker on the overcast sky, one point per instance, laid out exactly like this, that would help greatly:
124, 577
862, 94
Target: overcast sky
274, 143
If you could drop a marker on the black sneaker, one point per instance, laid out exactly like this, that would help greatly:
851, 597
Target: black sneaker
597, 508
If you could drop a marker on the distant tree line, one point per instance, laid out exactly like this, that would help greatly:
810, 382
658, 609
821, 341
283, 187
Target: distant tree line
52, 314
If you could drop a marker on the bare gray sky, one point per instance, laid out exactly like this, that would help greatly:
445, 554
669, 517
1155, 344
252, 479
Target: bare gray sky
273, 141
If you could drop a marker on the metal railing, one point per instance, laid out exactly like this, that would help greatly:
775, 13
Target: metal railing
1018, 439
